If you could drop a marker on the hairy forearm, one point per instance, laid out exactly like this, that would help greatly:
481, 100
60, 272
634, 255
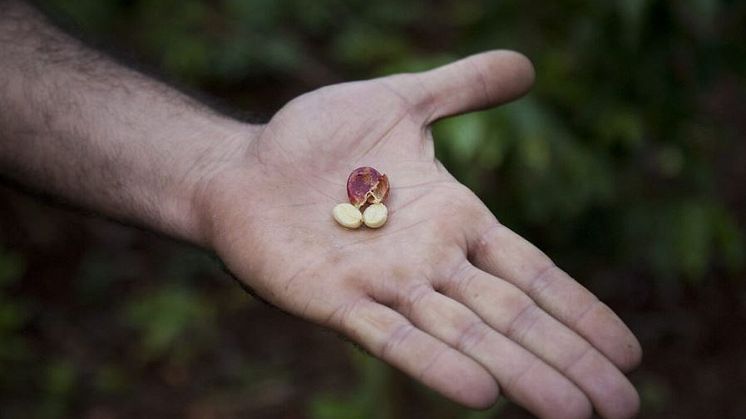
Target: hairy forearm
78, 126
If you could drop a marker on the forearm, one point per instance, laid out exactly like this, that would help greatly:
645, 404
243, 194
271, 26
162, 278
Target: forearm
78, 126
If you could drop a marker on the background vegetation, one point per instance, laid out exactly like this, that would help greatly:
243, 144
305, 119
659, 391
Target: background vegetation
627, 164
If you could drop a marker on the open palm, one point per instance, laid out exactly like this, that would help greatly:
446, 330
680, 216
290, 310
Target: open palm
442, 291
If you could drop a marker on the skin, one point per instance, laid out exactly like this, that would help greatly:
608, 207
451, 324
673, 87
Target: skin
443, 291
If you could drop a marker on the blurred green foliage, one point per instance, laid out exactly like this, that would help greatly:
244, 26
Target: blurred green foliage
622, 159
369, 401
173, 321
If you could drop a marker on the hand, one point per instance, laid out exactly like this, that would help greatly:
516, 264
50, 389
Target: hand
443, 291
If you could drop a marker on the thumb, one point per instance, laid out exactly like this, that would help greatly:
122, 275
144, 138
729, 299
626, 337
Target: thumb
476, 82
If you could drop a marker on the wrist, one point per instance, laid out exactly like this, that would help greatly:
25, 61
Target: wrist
228, 153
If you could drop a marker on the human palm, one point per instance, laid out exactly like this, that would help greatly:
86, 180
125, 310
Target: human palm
442, 291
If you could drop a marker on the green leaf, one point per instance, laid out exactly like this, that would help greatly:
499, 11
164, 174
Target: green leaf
172, 320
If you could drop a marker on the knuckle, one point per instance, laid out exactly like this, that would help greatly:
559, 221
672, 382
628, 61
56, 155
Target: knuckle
586, 310
472, 336
409, 300
515, 300
397, 336
542, 279
340, 318
459, 281
522, 321
427, 369
485, 237
576, 358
